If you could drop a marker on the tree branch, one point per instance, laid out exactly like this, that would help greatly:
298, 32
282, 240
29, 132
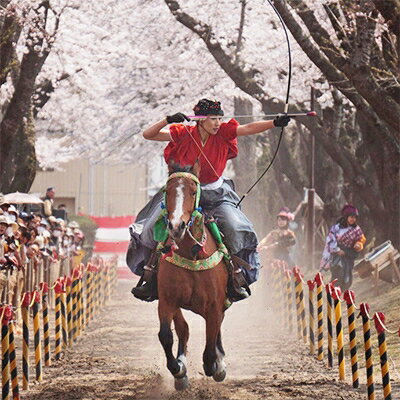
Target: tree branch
359, 75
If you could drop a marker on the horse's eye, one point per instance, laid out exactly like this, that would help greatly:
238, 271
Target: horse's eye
194, 193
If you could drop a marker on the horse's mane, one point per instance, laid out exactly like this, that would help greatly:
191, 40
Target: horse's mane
179, 168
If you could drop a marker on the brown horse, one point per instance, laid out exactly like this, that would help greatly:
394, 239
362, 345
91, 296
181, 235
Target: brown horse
201, 291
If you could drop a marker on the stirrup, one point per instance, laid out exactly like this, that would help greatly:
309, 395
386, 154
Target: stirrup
146, 289
238, 289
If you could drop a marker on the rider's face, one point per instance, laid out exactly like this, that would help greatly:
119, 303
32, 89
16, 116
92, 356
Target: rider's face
211, 124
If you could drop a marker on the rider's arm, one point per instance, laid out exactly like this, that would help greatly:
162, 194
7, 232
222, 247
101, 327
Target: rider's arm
254, 127
156, 132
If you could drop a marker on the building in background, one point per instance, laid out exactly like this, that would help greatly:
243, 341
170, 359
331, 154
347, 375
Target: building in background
96, 189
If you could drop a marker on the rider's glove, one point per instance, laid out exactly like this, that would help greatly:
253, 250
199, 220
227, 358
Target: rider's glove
281, 121
176, 118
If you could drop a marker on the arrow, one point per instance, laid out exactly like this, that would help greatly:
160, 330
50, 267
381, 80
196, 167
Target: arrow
292, 115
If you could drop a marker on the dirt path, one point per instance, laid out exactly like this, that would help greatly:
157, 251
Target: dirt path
119, 357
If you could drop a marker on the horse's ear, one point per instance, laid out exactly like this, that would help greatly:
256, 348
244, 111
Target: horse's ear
196, 168
171, 166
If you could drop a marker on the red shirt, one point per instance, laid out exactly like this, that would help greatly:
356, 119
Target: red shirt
218, 149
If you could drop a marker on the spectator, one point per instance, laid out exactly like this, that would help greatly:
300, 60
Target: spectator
48, 202
344, 241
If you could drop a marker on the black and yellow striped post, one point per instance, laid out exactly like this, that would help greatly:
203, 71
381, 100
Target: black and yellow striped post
36, 335
78, 304
311, 286
339, 332
74, 291
320, 317
369, 363
289, 297
302, 308
349, 298
91, 269
58, 289
88, 294
44, 288
108, 282
81, 299
379, 319
329, 288
64, 324
68, 286
96, 302
298, 306
274, 281
13, 363
6, 316
25, 339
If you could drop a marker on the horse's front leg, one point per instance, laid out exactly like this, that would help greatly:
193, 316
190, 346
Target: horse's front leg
210, 355
220, 372
182, 330
176, 367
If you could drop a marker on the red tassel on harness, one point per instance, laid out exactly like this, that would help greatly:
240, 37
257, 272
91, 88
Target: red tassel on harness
203, 253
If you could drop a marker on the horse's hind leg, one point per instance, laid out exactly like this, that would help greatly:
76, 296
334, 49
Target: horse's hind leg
177, 369
182, 330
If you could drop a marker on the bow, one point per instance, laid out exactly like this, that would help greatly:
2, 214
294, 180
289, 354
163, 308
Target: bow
286, 102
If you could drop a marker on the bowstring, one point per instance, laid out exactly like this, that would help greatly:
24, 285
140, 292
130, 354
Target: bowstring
286, 103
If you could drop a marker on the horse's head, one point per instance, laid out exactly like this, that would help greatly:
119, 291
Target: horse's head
181, 195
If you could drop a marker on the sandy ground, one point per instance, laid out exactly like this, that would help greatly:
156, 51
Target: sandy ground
119, 357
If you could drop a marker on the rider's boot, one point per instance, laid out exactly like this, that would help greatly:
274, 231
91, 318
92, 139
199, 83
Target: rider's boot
146, 288
238, 289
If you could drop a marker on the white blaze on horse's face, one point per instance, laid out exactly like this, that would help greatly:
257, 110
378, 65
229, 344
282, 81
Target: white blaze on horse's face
178, 212
180, 201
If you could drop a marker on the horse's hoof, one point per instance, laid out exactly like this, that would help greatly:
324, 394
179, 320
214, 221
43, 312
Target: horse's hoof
219, 376
182, 370
181, 383
210, 371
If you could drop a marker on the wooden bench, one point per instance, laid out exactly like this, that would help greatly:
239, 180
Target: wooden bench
380, 263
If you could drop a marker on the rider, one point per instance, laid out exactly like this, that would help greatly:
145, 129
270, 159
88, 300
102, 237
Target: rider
279, 241
212, 142
344, 241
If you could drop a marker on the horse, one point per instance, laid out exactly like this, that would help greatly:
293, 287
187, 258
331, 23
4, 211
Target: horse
202, 290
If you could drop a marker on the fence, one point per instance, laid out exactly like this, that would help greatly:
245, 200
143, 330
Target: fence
289, 303
67, 293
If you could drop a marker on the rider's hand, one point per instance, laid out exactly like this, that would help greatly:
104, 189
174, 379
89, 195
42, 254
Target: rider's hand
281, 121
340, 253
176, 118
